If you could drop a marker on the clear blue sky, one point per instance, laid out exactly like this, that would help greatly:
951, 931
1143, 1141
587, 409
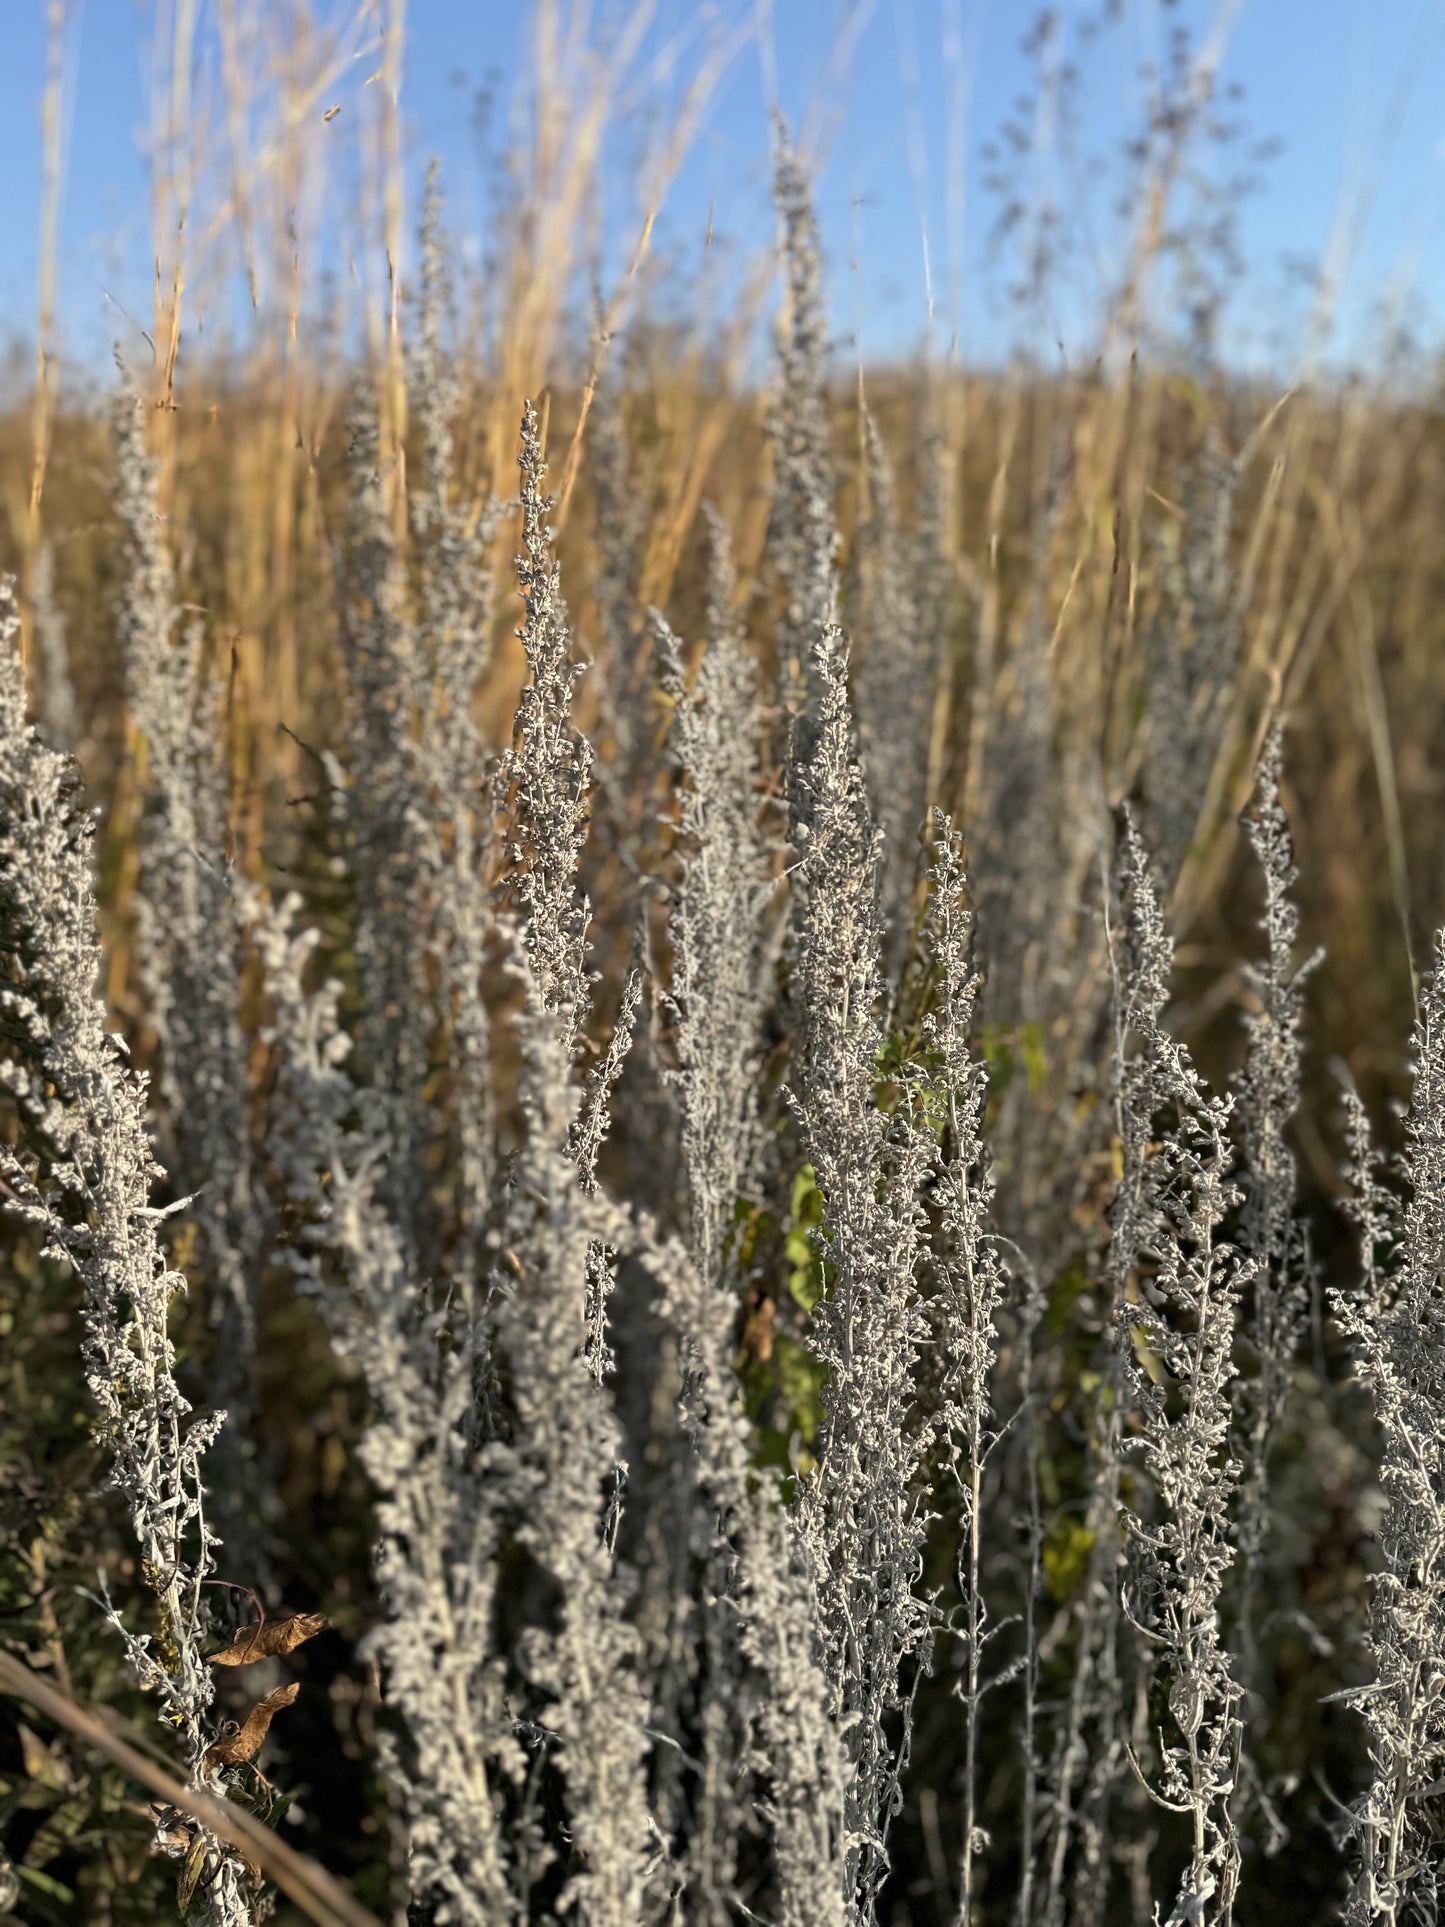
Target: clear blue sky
1353, 89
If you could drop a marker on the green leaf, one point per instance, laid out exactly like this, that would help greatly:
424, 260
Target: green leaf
191, 1873
805, 1276
1066, 1557
801, 1379
1068, 1287
43, 1884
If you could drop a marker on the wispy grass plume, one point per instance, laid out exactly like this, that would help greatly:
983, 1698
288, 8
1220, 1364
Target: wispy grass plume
549, 765
895, 688
968, 1286
189, 942
82, 1174
1177, 1292
802, 534
720, 981
422, 1357
861, 1512
1393, 1321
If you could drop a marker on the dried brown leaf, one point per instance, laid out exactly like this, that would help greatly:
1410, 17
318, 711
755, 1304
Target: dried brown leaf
270, 1639
245, 1744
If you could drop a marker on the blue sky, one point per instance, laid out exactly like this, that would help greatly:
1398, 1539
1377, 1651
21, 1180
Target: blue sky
897, 94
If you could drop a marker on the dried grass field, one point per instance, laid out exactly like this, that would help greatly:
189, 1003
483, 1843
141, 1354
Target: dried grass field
722, 1073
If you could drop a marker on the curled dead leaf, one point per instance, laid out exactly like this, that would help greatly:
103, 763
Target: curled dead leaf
270, 1639
245, 1743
